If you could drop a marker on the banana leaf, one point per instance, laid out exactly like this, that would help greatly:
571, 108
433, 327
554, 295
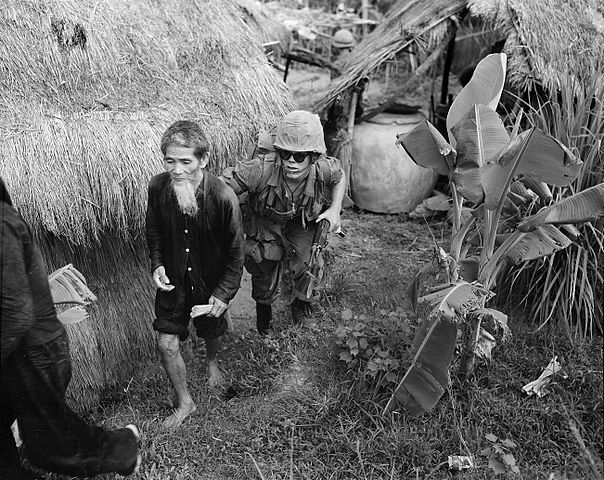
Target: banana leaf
499, 319
456, 299
68, 285
428, 148
532, 153
520, 247
584, 206
428, 376
480, 137
484, 88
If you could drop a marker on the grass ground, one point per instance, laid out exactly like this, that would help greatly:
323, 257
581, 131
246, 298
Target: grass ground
294, 410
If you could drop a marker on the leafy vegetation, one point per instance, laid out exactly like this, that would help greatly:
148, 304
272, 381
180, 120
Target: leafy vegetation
568, 287
494, 171
295, 410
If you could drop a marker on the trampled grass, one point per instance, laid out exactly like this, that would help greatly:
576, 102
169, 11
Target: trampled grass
294, 411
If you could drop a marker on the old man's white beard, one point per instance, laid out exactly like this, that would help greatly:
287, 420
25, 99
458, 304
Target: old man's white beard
185, 196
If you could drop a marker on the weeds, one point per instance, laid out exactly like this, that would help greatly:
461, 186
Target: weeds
568, 287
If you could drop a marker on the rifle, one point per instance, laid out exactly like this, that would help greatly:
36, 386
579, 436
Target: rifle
312, 276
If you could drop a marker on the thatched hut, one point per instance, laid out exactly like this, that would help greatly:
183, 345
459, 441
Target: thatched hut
546, 40
86, 90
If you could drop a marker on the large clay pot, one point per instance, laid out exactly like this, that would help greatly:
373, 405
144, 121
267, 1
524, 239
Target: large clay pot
383, 178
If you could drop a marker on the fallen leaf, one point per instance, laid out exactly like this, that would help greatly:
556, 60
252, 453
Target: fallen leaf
345, 356
509, 443
497, 466
347, 315
509, 459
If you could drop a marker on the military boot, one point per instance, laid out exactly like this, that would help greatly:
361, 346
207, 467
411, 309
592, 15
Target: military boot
302, 312
264, 316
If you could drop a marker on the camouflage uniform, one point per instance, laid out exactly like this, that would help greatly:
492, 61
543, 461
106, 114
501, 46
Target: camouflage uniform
276, 227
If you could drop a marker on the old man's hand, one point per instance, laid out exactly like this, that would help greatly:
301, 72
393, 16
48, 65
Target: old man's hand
161, 280
218, 306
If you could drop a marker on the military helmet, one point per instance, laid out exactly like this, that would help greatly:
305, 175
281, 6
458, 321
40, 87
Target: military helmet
342, 39
300, 131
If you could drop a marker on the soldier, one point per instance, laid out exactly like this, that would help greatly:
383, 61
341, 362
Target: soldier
291, 185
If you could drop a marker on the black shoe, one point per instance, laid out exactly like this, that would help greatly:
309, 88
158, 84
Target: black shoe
302, 312
264, 316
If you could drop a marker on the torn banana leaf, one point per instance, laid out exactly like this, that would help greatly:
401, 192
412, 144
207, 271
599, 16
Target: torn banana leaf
499, 321
456, 299
520, 247
427, 378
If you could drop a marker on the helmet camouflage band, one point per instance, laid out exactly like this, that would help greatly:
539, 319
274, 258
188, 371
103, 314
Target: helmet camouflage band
300, 131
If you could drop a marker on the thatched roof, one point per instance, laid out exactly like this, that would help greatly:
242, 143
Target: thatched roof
547, 40
87, 88
407, 22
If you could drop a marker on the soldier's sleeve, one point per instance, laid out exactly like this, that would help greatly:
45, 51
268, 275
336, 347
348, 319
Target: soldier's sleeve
245, 176
332, 170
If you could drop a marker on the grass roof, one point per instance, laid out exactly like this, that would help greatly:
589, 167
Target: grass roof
408, 21
547, 40
87, 89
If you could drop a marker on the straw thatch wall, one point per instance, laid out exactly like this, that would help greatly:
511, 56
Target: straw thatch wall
86, 90
547, 40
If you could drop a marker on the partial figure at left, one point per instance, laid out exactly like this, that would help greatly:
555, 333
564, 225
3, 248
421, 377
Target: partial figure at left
36, 370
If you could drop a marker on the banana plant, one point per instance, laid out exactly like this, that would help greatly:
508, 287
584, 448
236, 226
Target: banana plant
499, 174
70, 294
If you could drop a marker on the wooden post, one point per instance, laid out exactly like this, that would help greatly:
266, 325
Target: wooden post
364, 15
287, 64
346, 150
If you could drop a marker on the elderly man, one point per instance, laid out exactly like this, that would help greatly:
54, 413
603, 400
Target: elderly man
36, 370
195, 240
291, 185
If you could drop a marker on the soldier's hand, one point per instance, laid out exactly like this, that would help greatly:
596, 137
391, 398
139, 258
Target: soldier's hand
161, 280
333, 217
218, 306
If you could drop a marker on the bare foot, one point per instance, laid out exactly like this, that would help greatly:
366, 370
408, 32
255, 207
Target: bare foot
215, 378
178, 416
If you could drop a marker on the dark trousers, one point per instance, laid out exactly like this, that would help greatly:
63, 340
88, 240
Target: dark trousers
55, 438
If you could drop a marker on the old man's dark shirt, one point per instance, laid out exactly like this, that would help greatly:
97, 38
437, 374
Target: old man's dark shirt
205, 251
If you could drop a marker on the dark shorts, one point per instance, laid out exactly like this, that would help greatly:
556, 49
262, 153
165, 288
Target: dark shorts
172, 312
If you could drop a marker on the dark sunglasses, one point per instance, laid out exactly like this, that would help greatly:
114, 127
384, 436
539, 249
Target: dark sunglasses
299, 157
